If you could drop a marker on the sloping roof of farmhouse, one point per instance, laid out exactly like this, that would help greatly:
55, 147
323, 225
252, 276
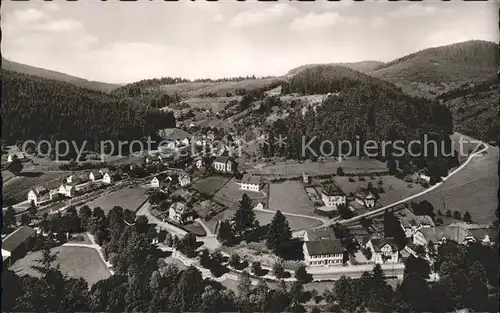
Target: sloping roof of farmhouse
16, 238
251, 179
174, 134
378, 243
322, 247
321, 233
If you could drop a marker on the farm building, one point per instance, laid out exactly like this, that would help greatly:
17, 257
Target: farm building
323, 252
384, 250
184, 179
155, 183
411, 222
364, 197
106, 175
95, 175
67, 190
250, 182
332, 196
14, 245
180, 213
224, 164
439, 234
39, 195
325, 233
19, 155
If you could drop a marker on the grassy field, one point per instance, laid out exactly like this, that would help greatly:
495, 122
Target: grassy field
295, 223
194, 90
395, 189
210, 185
472, 189
290, 196
17, 188
76, 262
215, 103
350, 165
127, 198
231, 194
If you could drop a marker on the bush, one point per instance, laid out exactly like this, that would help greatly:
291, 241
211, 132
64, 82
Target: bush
361, 178
351, 180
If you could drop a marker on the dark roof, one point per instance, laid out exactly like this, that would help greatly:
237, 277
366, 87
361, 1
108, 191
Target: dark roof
250, 179
221, 159
321, 233
321, 247
105, 170
438, 233
481, 233
174, 134
378, 243
333, 190
41, 190
363, 193
16, 238
97, 174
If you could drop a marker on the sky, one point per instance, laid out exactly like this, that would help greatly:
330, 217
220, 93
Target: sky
119, 42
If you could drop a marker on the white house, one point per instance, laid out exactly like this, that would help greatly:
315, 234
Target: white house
224, 164
106, 175
199, 163
184, 179
332, 196
95, 175
411, 222
323, 252
155, 183
38, 195
67, 190
250, 182
20, 156
180, 213
384, 250
305, 178
365, 198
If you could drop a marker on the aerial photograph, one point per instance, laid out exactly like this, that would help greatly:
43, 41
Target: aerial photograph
249, 156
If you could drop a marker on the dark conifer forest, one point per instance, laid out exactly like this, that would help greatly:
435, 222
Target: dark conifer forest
35, 108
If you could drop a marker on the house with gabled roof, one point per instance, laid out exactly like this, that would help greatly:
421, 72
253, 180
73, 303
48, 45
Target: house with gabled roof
251, 182
365, 197
184, 179
323, 252
180, 213
95, 175
332, 196
39, 195
323, 233
224, 164
384, 250
106, 175
14, 245
19, 155
440, 234
155, 183
67, 190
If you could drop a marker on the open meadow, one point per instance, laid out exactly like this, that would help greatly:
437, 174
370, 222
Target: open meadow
210, 185
473, 189
76, 262
127, 198
193, 90
231, 194
330, 166
290, 196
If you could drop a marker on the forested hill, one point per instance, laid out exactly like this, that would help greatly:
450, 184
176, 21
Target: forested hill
475, 109
36, 108
44, 73
359, 105
362, 66
433, 71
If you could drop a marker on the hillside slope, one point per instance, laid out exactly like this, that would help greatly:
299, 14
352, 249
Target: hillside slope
362, 66
360, 107
48, 74
475, 109
433, 71
34, 108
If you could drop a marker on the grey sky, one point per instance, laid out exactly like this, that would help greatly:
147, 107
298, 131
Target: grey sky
125, 42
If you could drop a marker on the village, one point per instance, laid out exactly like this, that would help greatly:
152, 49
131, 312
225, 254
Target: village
197, 195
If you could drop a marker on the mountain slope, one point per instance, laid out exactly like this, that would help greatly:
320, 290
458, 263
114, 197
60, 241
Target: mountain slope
436, 70
475, 109
35, 108
362, 66
48, 74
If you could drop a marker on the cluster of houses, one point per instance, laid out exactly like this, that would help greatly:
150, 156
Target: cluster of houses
332, 197
70, 187
322, 248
